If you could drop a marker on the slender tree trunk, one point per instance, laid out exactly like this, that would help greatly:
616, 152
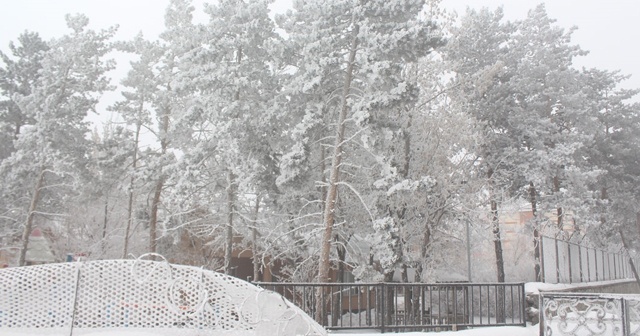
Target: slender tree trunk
105, 221
254, 241
559, 210
424, 252
332, 192
228, 251
231, 195
35, 199
536, 232
323, 178
337, 301
134, 165
153, 217
407, 149
495, 223
497, 243
603, 196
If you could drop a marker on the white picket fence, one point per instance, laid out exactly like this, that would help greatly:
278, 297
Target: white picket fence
143, 294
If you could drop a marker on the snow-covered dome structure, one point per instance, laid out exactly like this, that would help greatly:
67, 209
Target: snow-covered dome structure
143, 294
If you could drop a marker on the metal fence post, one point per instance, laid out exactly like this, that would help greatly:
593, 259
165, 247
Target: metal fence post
588, 266
542, 266
75, 299
570, 263
606, 269
580, 262
382, 305
626, 324
595, 261
615, 267
557, 261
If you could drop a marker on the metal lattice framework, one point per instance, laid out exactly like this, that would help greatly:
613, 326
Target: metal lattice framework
143, 294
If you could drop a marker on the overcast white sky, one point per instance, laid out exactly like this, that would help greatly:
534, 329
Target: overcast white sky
610, 30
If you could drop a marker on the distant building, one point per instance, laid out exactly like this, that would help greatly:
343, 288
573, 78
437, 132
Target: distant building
39, 250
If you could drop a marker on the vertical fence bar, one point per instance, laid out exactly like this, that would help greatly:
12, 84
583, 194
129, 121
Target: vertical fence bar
580, 263
557, 261
615, 266
75, 299
570, 263
588, 266
605, 265
382, 308
595, 260
542, 262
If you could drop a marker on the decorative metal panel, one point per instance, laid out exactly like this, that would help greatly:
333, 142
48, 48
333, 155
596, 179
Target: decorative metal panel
583, 314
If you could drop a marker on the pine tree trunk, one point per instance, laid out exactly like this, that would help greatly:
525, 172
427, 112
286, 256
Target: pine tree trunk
228, 251
536, 232
559, 210
254, 241
495, 223
497, 242
337, 301
153, 217
323, 178
332, 192
134, 165
105, 221
424, 252
35, 199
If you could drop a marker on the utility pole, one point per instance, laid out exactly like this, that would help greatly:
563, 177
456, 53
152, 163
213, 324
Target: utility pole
468, 250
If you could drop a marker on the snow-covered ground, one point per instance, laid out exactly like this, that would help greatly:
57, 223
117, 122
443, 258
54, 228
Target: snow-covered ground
488, 331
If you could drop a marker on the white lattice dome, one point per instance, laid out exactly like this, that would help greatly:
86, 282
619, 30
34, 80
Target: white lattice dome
142, 294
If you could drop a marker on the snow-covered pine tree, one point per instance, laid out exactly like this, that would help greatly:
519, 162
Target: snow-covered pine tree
228, 121
349, 57
613, 150
139, 94
50, 156
18, 75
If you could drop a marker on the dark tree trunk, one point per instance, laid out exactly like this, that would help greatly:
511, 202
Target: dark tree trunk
334, 176
254, 242
134, 164
105, 221
497, 242
153, 218
559, 210
337, 300
35, 199
536, 232
228, 251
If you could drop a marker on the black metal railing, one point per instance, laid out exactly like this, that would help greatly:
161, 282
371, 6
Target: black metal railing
407, 307
566, 262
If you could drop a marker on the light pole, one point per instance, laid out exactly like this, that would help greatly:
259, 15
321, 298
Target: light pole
468, 251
